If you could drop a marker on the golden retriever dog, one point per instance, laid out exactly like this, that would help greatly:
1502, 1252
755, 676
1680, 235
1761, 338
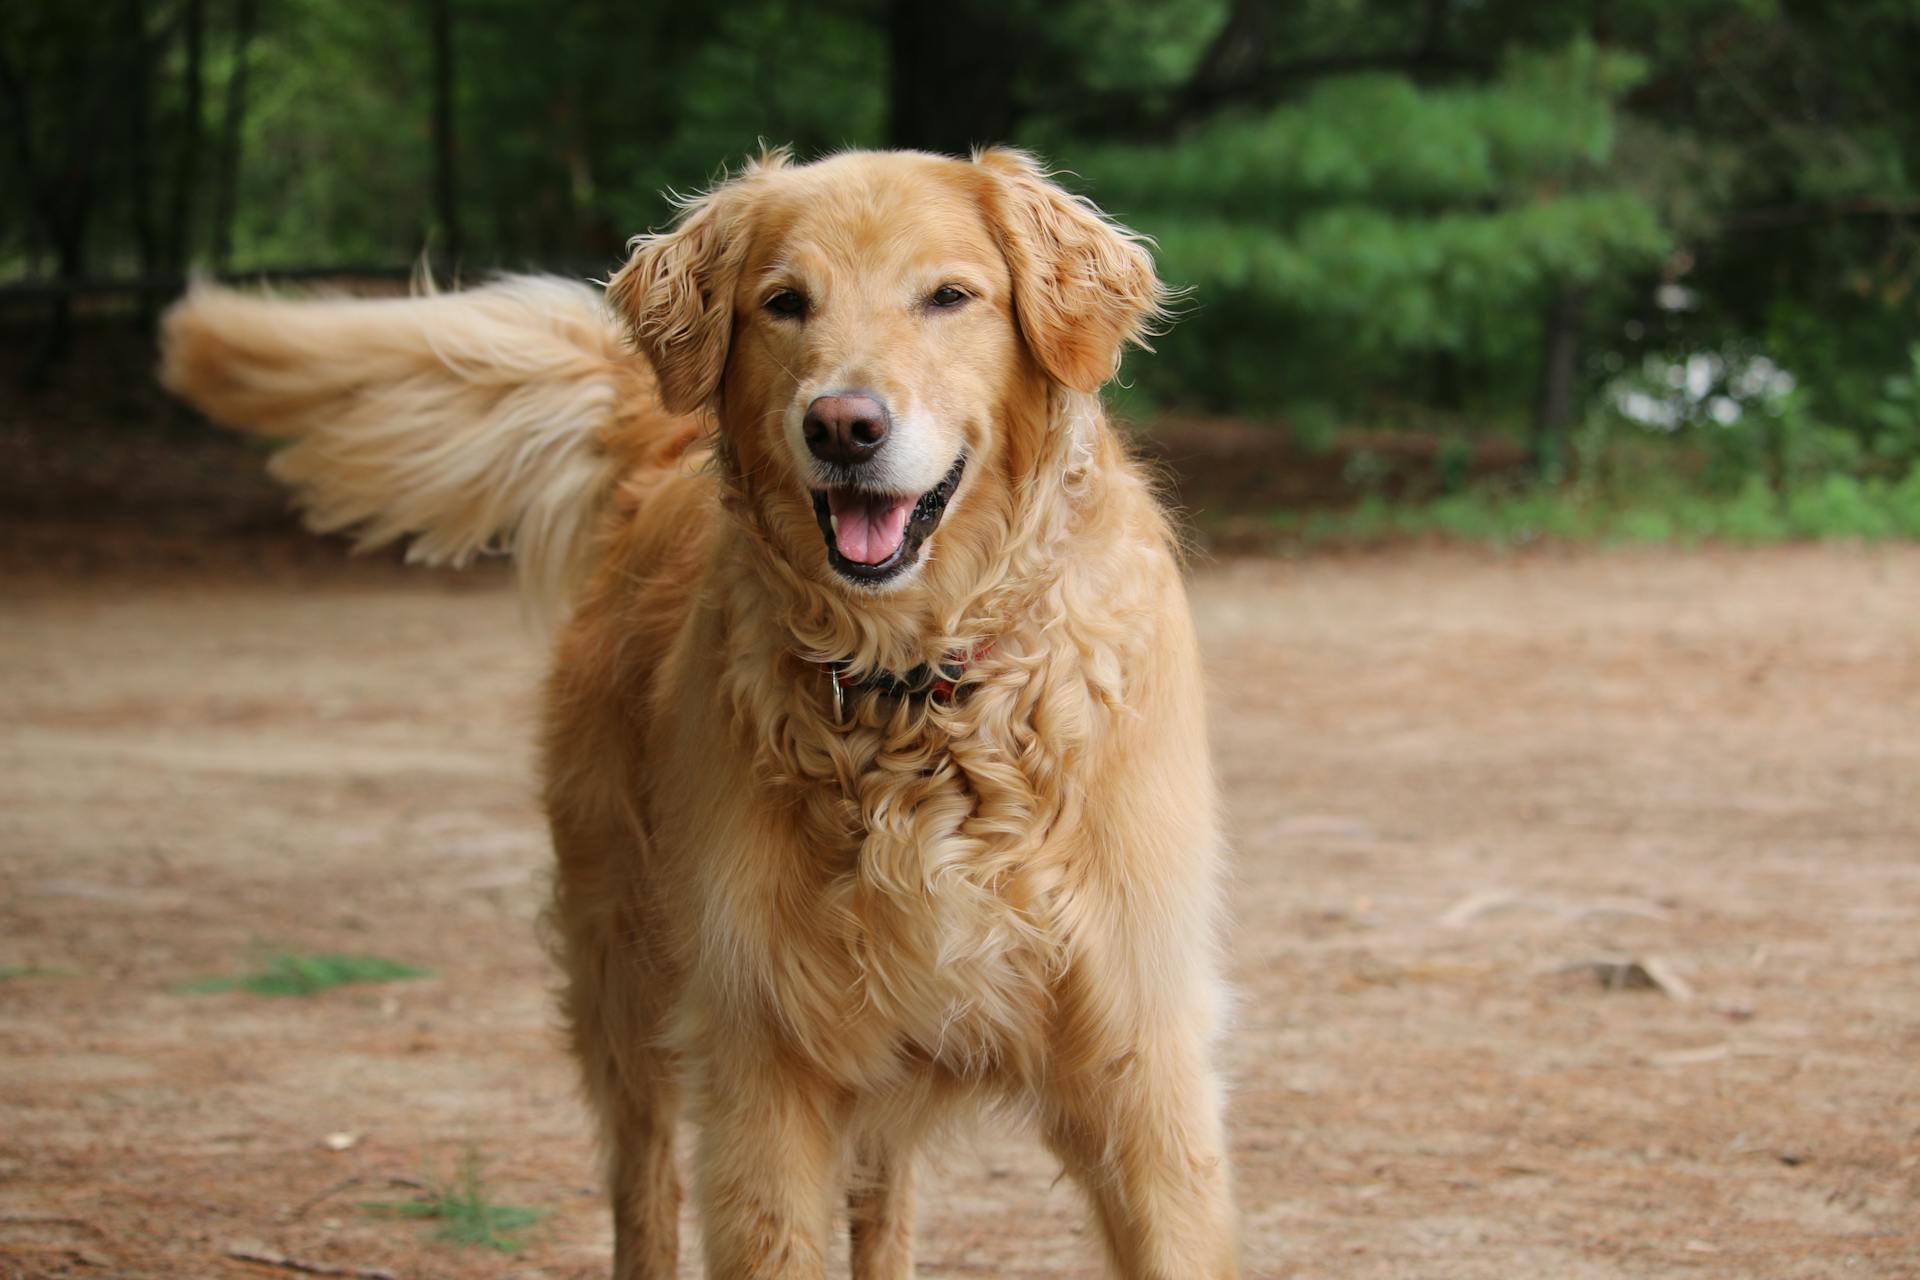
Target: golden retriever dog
874, 751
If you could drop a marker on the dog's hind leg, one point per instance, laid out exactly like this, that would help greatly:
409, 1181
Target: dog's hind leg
880, 1213
632, 1082
617, 997
633, 1085
644, 1183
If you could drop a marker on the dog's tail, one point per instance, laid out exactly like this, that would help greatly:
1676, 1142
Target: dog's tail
469, 422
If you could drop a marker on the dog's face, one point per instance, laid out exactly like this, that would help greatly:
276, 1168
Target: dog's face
873, 328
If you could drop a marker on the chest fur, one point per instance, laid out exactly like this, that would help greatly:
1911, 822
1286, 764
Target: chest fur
907, 917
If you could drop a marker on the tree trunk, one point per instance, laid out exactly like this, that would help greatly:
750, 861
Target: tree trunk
951, 79
187, 175
51, 350
19, 118
1437, 17
1559, 378
59, 191
1446, 387
446, 200
231, 127
146, 235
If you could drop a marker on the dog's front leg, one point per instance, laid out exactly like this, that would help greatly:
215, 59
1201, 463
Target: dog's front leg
768, 1164
880, 1213
1143, 1135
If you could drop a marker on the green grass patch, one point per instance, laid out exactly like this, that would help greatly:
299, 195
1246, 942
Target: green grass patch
32, 971
465, 1214
286, 973
1830, 507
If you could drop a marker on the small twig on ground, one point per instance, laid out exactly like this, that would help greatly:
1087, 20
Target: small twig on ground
1692, 1057
1488, 901
1627, 973
309, 1268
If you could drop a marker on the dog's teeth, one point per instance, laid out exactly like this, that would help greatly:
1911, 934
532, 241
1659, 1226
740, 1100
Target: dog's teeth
835, 522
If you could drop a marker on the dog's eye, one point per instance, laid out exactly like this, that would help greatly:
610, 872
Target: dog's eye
947, 296
788, 303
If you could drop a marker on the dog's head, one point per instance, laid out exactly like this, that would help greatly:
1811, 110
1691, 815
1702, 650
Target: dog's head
876, 330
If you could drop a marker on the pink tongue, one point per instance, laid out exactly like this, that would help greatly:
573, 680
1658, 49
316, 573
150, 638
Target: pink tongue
868, 527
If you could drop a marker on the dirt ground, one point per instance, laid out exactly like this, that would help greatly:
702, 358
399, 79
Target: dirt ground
1457, 781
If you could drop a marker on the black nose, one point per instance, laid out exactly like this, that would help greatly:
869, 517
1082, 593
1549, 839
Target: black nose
846, 428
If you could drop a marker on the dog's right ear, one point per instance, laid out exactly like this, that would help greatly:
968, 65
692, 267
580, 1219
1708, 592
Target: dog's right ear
676, 291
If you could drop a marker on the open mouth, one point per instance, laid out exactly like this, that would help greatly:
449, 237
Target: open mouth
873, 536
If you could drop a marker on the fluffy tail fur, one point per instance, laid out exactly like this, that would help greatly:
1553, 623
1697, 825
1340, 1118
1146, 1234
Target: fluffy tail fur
469, 422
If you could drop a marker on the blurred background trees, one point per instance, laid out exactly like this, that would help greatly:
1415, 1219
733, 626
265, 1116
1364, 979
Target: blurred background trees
1590, 233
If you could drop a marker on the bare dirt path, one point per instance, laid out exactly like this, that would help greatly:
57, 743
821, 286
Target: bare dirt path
1455, 782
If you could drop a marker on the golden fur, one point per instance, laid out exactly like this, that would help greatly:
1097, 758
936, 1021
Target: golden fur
821, 930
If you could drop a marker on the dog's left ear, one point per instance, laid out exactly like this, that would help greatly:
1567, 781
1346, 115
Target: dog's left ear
1083, 285
676, 291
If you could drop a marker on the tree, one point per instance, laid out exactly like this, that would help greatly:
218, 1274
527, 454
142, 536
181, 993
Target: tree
952, 70
59, 70
188, 136
1336, 244
246, 16
446, 193
1471, 214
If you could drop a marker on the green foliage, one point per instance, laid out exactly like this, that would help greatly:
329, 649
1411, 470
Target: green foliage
1895, 413
1751, 515
1134, 47
289, 974
1380, 140
1833, 506
1453, 463
591, 110
1745, 419
1839, 506
1903, 502
465, 1214
1412, 283
1335, 246
1378, 207
328, 177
